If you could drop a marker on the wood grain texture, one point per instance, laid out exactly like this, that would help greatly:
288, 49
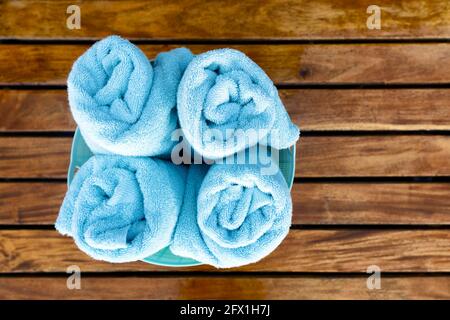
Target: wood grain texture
350, 250
365, 110
190, 19
36, 157
371, 203
233, 287
30, 203
35, 110
288, 64
365, 156
317, 156
307, 265
310, 109
314, 203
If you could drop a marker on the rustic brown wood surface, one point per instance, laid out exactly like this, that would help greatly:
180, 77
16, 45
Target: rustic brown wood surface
340, 250
286, 64
229, 287
373, 155
372, 171
195, 19
317, 156
37, 203
311, 109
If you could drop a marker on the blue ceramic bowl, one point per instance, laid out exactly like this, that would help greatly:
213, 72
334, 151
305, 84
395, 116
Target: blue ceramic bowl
80, 153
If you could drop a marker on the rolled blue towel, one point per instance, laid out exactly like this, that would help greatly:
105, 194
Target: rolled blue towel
122, 209
123, 103
232, 215
227, 103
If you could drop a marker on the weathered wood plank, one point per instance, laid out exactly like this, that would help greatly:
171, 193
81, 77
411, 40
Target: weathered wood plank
364, 156
314, 203
311, 109
302, 251
285, 64
363, 110
317, 156
35, 110
39, 157
371, 203
191, 19
204, 287
30, 203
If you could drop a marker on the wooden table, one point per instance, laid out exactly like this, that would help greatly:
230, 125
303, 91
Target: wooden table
373, 164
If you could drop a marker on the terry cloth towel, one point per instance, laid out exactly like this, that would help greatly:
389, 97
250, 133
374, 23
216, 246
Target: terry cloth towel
122, 209
232, 215
123, 103
227, 103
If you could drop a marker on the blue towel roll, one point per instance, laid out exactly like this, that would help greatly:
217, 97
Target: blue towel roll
122, 209
232, 215
227, 103
123, 103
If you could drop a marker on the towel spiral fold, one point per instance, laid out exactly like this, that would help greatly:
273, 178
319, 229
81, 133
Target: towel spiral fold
232, 215
123, 103
226, 103
122, 209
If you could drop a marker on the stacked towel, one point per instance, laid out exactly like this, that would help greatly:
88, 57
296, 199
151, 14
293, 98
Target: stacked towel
232, 215
122, 209
227, 103
124, 206
123, 103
